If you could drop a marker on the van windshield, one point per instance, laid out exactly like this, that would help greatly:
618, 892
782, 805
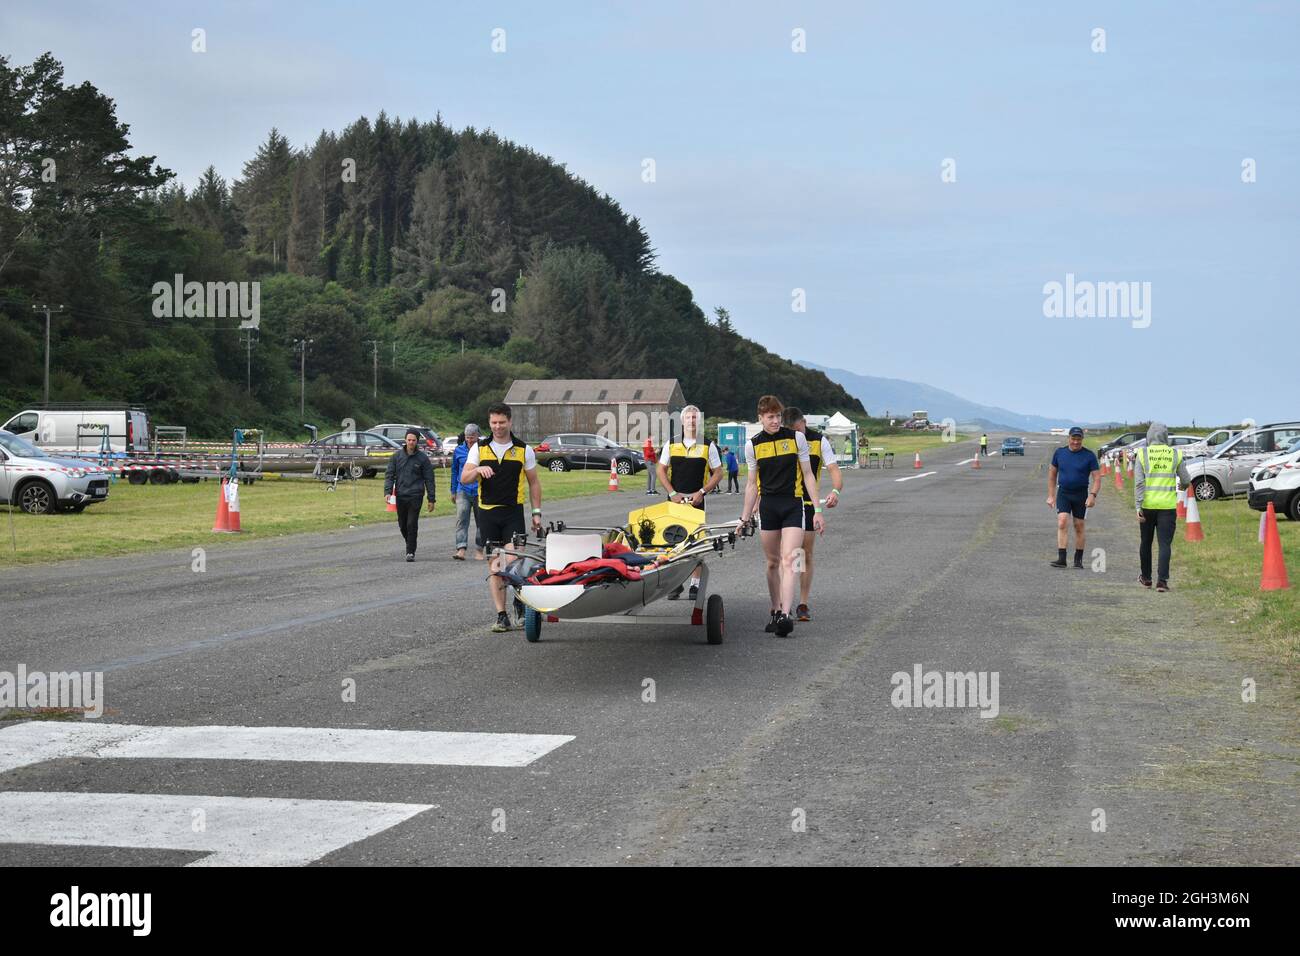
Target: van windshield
21, 447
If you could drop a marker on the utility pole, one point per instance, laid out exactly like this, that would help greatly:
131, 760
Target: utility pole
249, 341
300, 346
46, 309
374, 344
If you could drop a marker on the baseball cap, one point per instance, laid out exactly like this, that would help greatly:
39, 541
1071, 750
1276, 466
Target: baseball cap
1076, 430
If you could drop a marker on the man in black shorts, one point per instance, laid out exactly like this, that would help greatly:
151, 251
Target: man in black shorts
502, 465
688, 470
820, 452
1073, 469
779, 470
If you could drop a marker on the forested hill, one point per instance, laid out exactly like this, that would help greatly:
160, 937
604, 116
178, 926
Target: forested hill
454, 260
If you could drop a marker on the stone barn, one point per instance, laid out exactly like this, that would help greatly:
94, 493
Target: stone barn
627, 410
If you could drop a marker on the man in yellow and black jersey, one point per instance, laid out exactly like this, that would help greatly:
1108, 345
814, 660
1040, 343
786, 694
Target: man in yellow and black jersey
504, 467
688, 470
820, 452
779, 470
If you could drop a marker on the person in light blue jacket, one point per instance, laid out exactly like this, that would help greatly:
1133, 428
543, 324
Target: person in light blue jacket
465, 496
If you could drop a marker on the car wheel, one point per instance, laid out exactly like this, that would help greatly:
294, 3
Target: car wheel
624, 466
1207, 489
558, 464
1293, 506
36, 498
356, 472
159, 477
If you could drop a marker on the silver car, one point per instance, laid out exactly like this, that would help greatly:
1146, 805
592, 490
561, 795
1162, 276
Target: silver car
1227, 471
41, 484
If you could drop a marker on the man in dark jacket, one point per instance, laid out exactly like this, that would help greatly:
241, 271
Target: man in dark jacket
410, 476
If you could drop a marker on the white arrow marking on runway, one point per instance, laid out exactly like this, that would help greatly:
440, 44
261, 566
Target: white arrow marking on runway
235, 831
924, 474
37, 741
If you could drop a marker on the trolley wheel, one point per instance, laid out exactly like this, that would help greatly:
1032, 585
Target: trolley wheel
137, 477
713, 619
532, 626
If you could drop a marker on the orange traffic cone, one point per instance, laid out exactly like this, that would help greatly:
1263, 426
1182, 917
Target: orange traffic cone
1273, 575
613, 476
223, 510
976, 462
917, 463
1119, 478
1182, 500
1105, 467
1130, 466
392, 502
232, 493
1194, 530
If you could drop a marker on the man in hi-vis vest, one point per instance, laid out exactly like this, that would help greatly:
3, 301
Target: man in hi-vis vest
1156, 469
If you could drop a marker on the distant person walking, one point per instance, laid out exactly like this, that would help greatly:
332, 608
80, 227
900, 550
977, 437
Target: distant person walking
1074, 468
1156, 469
984, 445
410, 476
733, 473
465, 496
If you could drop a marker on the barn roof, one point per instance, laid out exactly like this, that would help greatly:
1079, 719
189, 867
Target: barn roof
592, 391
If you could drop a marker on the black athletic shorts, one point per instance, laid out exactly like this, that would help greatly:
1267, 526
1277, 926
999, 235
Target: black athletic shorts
1074, 502
777, 513
497, 525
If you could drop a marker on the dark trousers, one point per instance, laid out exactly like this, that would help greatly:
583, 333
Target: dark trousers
984, 450
733, 481
1160, 523
408, 519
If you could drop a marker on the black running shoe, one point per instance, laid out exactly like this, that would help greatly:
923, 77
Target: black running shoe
520, 611
1145, 582
784, 625
693, 593
1162, 585
771, 624
1078, 564
502, 624
676, 593
410, 556
1058, 563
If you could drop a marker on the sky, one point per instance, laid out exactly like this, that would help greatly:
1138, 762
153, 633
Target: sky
920, 170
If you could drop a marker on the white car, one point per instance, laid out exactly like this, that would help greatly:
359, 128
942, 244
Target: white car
1278, 481
41, 484
1211, 442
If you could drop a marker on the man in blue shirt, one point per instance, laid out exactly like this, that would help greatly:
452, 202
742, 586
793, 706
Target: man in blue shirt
733, 473
1073, 469
465, 496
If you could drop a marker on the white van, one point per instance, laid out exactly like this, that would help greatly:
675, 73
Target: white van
64, 428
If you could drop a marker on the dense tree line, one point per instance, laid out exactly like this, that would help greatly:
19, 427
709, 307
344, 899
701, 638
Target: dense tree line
458, 259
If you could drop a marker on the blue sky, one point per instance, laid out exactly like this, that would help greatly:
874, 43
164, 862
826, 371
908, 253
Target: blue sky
821, 170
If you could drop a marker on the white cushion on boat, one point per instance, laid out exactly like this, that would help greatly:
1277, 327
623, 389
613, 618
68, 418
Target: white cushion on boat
564, 549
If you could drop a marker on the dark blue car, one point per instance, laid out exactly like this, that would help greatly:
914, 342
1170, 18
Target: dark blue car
1013, 446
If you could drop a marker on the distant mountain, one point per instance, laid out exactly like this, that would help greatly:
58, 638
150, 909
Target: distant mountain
899, 398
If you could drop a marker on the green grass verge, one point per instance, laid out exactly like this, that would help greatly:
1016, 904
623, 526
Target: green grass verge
138, 518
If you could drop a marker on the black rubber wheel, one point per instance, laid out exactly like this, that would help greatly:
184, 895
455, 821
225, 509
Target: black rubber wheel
1207, 489
558, 464
1293, 506
624, 466
532, 626
356, 472
37, 498
713, 619
158, 477
137, 477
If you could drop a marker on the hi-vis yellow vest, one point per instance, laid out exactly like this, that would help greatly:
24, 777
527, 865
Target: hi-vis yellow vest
1160, 465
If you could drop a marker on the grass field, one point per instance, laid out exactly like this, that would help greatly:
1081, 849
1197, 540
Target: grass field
1222, 575
139, 518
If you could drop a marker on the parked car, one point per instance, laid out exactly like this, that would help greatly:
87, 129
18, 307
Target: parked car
1181, 442
432, 443
1278, 481
1125, 439
577, 451
1227, 471
66, 427
1211, 442
41, 484
360, 454
1013, 446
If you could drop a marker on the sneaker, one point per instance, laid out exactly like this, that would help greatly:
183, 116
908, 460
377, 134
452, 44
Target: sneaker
802, 613
1145, 582
676, 593
520, 611
410, 556
694, 593
502, 623
1058, 563
1162, 585
784, 625
771, 624
1078, 564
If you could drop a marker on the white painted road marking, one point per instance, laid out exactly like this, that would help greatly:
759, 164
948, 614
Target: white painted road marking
924, 474
965, 461
235, 831
37, 741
